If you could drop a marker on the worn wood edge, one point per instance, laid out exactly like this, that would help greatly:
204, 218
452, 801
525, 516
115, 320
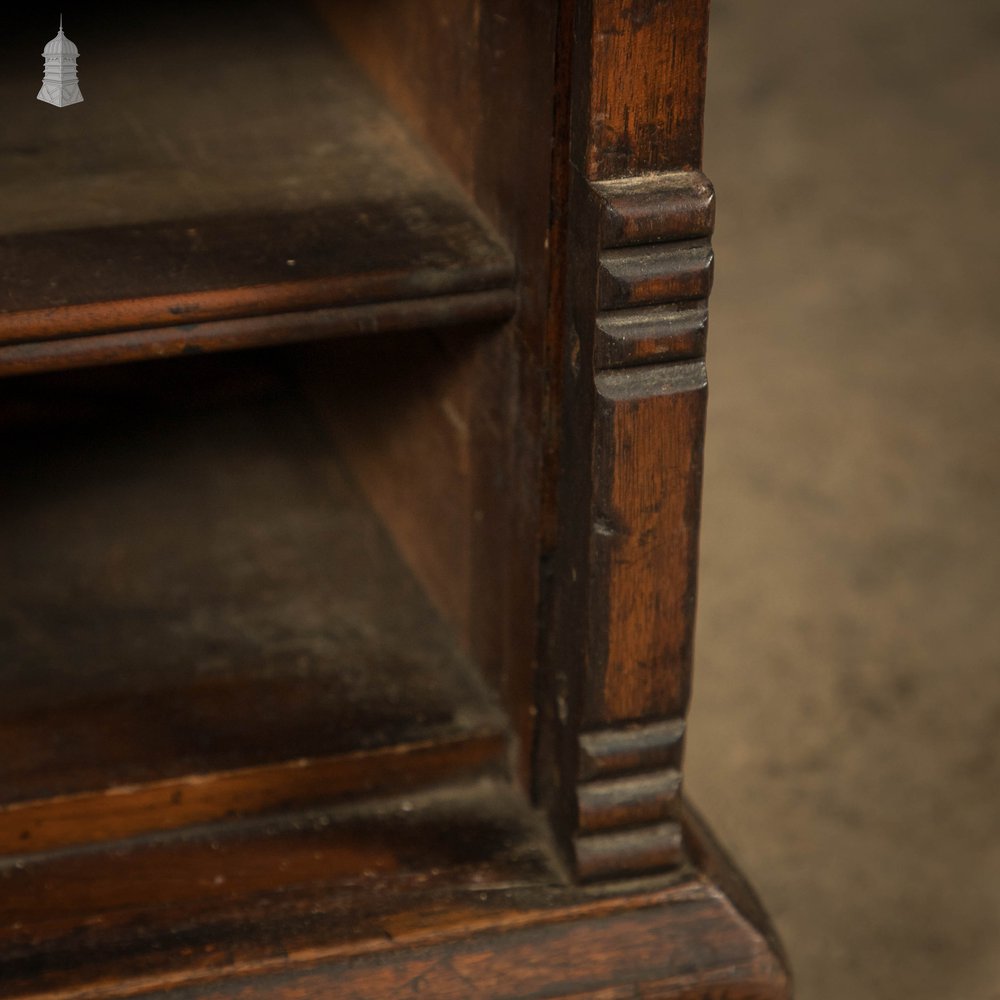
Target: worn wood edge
637, 747
709, 856
673, 331
633, 122
469, 952
652, 380
492, 306
655, 208
652, 274
125, 811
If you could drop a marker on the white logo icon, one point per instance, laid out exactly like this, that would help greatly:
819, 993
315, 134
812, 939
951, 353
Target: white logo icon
59, 85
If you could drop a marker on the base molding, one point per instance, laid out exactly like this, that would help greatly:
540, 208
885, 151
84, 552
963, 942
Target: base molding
452, 894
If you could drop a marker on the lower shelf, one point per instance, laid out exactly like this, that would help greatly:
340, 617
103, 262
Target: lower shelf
200, 617
452, 893
253, 189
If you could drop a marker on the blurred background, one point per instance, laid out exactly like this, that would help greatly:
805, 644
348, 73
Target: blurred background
845, 735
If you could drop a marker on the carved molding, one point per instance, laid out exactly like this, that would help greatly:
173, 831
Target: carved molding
655, 268
653, 275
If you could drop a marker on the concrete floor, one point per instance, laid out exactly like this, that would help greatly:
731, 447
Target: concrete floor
845, 735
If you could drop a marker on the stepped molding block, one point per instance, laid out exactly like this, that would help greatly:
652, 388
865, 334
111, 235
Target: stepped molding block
651, 280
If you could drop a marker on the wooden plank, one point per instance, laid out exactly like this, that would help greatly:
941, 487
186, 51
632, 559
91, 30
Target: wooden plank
403, 431
639, 266
326, 861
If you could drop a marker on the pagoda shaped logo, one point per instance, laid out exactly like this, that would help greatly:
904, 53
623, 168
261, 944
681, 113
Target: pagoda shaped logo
59, 85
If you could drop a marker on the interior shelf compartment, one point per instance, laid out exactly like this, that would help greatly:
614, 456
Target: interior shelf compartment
200, 616
229, 180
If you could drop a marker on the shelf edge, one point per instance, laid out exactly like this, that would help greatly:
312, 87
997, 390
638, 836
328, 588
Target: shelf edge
145, 344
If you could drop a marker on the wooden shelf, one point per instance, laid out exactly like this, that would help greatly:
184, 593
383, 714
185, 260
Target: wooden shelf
200, 616
230, 180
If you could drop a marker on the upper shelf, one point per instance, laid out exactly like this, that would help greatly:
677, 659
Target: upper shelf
229, 180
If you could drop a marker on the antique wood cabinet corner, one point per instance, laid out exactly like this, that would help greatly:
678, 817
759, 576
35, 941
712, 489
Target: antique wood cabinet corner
349, 517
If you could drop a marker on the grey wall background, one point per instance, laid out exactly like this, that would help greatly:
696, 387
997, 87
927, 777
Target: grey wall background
845, 735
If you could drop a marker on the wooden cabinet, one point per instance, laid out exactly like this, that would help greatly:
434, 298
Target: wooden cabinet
351, 449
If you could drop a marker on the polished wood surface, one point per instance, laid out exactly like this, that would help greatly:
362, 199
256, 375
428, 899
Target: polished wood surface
265, 180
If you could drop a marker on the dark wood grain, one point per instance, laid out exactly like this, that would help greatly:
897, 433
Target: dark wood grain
403, 431
187, 271
125, 811
654, 274
647, 456
177, 210
226, 623
627, 850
